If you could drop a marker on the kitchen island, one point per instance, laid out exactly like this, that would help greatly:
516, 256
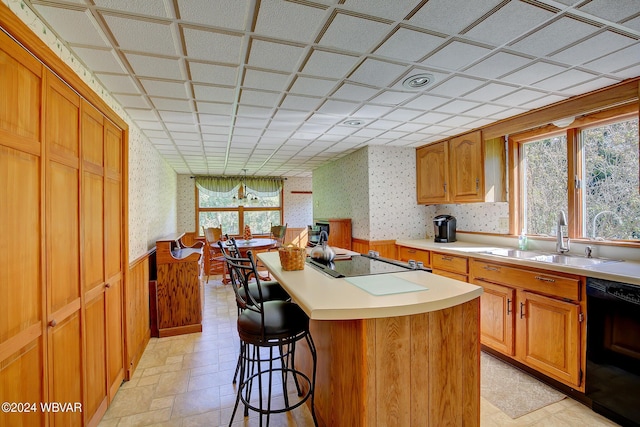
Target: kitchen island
399, 359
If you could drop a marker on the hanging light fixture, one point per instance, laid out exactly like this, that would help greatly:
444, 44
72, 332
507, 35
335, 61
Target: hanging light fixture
244, 195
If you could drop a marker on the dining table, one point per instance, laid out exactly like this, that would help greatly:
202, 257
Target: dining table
255, 245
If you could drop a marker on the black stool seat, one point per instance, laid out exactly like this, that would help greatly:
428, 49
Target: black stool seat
270, 291
282, 319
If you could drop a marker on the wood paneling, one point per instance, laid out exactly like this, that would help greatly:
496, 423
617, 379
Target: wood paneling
386, 248
137, 319
96, 369
93, 233
62, 120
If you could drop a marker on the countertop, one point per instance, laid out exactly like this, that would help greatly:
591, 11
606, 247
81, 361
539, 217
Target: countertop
622, 271
326, 298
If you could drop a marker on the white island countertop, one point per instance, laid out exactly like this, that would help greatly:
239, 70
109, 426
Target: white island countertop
323, 297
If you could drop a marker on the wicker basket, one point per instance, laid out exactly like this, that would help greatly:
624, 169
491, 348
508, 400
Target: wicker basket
292, 257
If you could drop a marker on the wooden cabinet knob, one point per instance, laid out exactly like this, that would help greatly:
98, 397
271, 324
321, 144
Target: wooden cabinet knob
53, 323
107, 285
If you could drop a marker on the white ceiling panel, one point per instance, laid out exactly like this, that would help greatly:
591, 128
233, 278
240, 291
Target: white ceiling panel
456, 55
142, 36
274, 56
84, 30
231, 14
246, 77
409, 45
510, 21
153, 66
451, 16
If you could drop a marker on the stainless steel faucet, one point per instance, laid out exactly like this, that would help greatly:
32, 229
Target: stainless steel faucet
595, 218
562, 221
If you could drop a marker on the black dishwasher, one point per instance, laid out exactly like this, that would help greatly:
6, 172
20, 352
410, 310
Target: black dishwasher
613, 350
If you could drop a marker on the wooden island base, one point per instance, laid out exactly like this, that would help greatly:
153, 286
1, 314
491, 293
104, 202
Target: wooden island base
418, 370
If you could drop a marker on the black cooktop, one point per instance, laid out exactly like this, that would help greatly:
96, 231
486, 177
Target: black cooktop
361, 265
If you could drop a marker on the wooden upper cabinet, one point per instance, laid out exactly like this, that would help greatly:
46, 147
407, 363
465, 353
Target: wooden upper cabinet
466, 163
433, 173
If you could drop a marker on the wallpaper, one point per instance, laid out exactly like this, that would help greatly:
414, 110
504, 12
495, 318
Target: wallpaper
341, 190
152, 182
297, 207
479, 217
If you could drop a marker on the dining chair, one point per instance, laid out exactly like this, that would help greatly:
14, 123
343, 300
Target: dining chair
214, 261
263, 324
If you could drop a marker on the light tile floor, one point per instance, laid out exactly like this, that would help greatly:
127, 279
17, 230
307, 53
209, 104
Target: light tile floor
185, 381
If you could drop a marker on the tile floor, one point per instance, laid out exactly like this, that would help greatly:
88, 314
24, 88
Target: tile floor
185, 381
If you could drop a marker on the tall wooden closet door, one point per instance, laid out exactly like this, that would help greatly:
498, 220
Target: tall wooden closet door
113, 256
62, 134
21, 288
93, 280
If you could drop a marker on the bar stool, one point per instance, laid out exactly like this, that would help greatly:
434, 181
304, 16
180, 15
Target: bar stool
268, 325
269, 291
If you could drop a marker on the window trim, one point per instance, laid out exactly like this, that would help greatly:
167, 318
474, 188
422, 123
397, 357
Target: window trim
240, 209
574, 198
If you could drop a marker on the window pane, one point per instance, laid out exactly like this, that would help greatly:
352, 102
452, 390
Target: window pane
229, 221
545, 183
260, 221
610, 181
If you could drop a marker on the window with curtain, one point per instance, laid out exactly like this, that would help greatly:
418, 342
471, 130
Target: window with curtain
234, 202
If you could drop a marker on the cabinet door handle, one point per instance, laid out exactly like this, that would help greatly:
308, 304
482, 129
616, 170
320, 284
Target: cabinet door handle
447, 258
522, 310
53, 323
107, 285
508, 306
477, 184
545, 279
489, 268
412, 251
445, 187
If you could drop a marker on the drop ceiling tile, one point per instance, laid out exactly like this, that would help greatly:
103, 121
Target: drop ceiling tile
215, 74
410, 127
143, 124
230, 14
519, 97
590, 86
184, 137
545, 100
205, 45
214, 93
402, 114
290, 116
485, 110
265, 80
100, 60
456, 55
390, 97
323, 119
510, 21
178, 117
621, 59
155, 133
457, 106
459, 121
242, 131
409, 45
497, 65
213, 108
248, 122
611, 12
377, 73
351, 92
289, 21
182, 127
214, 119
338, 108
426, 102
457, 86
118, 83
311, 86
275, 56
353, 34
564, 80
137, 114
633, 24
554, 36
135, 101
593, 48
153, 66
342, 130
328, 64
258, 98
165, 88
303, 103
84, 30
251, 111
148, 7
215, 130
533, 73
490, 92
171, 104
384, 124
142, 36
371, 111
395, 10
628, 73
436, 14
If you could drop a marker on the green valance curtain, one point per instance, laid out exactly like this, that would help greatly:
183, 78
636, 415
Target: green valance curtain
225, 184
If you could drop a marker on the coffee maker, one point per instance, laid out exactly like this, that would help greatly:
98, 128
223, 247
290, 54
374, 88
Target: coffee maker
444, 227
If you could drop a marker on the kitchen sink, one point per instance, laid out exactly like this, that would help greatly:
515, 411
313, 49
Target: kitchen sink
514, 253
572, 260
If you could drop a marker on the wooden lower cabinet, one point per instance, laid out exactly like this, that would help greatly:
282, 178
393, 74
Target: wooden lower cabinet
406, 253
543, 331
454, 267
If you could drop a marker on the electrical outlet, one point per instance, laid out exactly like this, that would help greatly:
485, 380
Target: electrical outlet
503, 223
